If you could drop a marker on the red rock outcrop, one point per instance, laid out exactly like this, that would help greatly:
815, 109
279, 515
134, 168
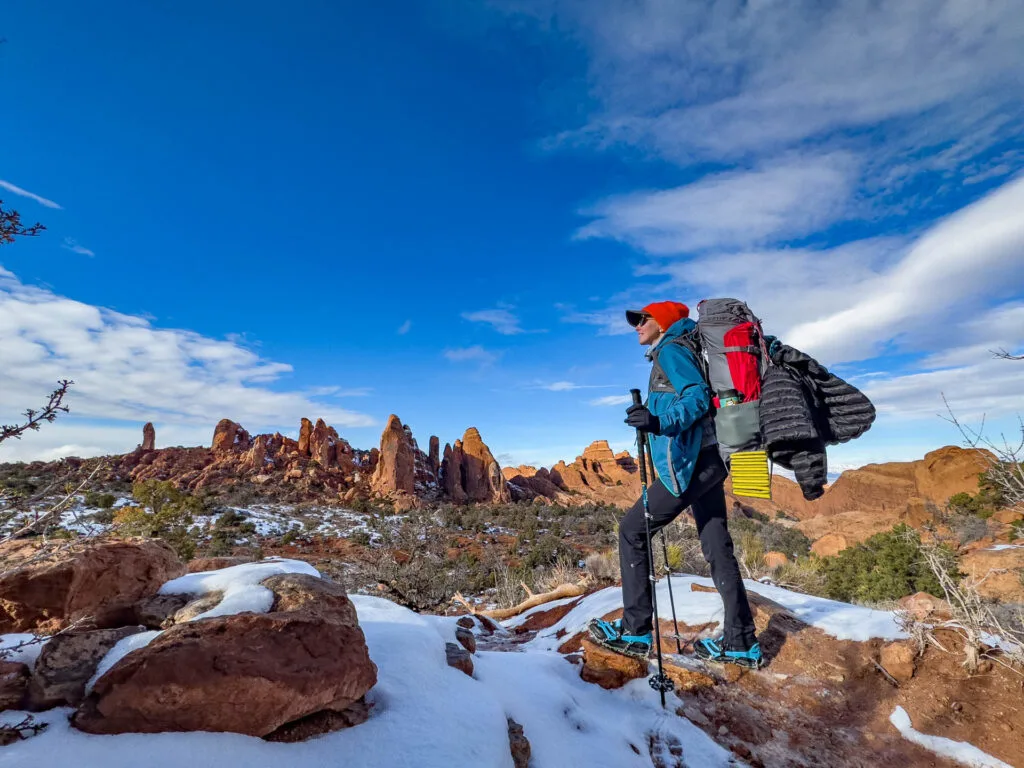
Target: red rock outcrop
481, 474
435, 455
598, 475
451, 473
50, 593
247, 673
148, 437
305, 432
229, 436
396, 466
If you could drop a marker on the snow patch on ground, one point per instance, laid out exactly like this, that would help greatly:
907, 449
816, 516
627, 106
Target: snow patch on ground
960, 751
842, 621
239, 583
1001, 547
26, 654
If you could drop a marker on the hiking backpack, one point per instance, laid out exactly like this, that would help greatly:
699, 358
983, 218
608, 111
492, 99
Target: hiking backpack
729, 347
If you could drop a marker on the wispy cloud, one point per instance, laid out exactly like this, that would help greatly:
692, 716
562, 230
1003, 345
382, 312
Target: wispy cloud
30, 195
502, 320
404, 327
612, 400
73, 246
128, 371
566, 386
731, 80
777, 201
476, 354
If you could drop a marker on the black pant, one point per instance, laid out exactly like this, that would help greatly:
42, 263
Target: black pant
706, 495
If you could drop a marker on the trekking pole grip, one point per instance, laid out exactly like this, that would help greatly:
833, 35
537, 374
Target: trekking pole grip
637, 400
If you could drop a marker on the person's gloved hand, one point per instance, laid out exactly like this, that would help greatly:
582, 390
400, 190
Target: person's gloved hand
638, 417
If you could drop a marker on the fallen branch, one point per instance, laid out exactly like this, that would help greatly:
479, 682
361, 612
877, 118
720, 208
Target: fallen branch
559, 592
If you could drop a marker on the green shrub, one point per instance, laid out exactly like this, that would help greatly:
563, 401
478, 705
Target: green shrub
887, 566
101, 500
165, 512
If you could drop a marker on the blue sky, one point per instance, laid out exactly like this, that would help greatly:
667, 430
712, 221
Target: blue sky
441, 209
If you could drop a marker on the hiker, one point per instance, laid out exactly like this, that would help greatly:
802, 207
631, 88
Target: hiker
689, 473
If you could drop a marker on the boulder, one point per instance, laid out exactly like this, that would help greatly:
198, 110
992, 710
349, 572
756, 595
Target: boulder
317, 597
66, 664
466, 639
898, 660
82, 581
148, 437
607, 668
829, 545
925, 607
14, 677
518, 744
247, 673
200, 605
200, 564
157, 612
999, 572
459, 658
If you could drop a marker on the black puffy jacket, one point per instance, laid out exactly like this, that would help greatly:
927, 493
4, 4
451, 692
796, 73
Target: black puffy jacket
803, 409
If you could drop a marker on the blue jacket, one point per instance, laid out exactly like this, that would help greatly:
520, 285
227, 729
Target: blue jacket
681, 413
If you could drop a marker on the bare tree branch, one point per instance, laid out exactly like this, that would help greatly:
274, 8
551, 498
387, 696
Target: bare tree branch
48, 413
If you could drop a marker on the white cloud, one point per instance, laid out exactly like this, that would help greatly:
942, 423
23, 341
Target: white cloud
612, 400
962, 262
126, 370
778, 201
502, 320
610, 322
566, 386
732, 79
404, 327
30, 195
72, 245
475, 353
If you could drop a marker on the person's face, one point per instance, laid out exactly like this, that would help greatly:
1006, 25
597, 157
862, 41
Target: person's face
648, 331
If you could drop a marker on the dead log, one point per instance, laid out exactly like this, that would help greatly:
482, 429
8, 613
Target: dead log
559, 592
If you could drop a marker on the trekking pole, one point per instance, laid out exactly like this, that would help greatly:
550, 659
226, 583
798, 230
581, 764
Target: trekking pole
671, 598
659, 682
668, 573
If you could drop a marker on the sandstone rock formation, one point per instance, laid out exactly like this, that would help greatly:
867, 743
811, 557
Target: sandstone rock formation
305, 432
451, 473
148, 437
396, 466
246, 673
481, 474
48, 594
435, 456
598, 475
229, 436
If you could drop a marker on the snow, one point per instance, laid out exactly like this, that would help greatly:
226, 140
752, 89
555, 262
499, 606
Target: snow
842, 621
960, 751
27, 654
1001, 547
239, 583
424, 713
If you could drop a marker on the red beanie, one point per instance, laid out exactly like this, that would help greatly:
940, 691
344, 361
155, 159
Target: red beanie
665, 313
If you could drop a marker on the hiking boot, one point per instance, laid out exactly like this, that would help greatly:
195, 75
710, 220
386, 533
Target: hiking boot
716, 651
602, 631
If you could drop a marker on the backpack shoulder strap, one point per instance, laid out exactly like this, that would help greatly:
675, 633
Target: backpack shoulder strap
659, 381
